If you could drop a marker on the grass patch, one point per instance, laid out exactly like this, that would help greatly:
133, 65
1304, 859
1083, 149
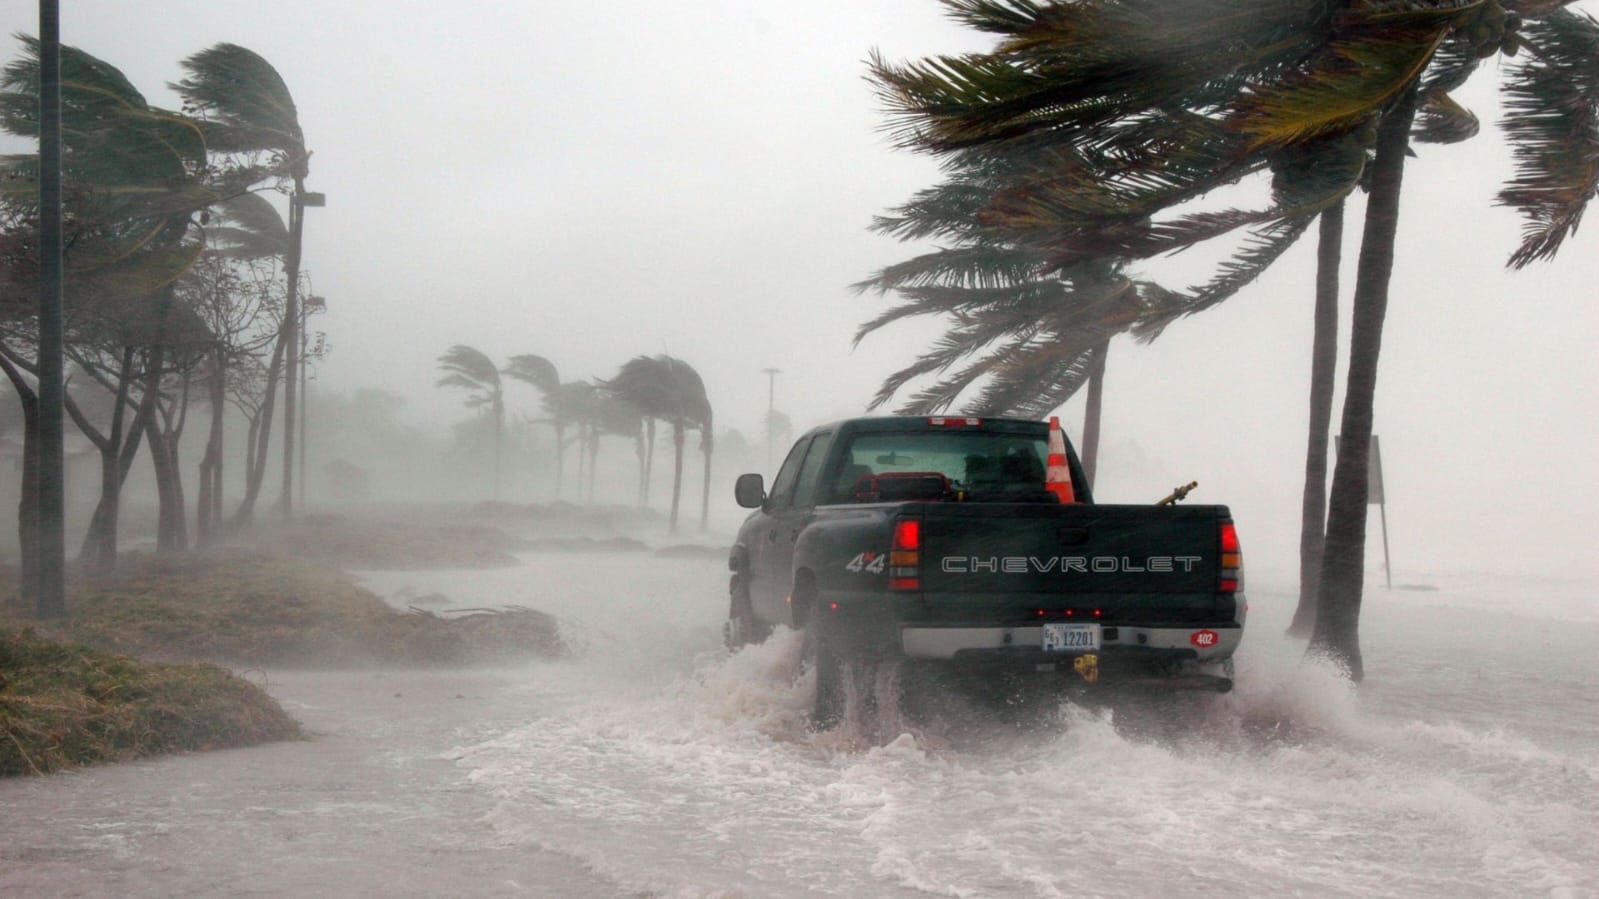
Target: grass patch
245, 608
391, 543
71, 695
65, 705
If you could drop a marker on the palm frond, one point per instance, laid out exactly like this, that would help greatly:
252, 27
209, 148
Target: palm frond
1441, 120
468, 367
1351, 78
535, 370
246, 101
1264, 246
1082, 65
1552, 124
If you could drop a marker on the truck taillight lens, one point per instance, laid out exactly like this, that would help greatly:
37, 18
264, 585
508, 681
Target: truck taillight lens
1232, 560
905, 555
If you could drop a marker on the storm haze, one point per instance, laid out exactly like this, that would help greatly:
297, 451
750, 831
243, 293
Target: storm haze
698, 180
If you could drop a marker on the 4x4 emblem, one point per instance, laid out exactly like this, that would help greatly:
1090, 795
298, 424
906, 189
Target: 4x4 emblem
869, 562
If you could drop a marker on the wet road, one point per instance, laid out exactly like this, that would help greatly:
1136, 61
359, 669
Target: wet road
651, 763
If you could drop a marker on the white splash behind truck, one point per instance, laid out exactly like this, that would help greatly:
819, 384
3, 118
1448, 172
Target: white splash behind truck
946, 541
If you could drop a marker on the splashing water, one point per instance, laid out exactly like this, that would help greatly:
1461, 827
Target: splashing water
675, 769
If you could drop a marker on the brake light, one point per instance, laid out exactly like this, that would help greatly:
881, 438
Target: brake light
1232, 560
905, 555
955, 422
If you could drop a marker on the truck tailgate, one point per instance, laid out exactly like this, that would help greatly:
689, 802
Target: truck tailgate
1082, 551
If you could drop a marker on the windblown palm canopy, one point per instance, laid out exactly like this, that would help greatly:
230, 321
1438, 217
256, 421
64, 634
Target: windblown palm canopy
469, 369
247, 226
134, 175
246, 106
535, 370
665, 388
1149, 104
1022, 327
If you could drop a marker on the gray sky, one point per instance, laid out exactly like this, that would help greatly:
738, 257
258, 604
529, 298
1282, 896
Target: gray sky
592, 184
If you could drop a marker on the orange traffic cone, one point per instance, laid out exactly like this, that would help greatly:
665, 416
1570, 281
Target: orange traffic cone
1058, 479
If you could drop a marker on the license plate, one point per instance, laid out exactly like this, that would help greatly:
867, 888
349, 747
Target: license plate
1071, 637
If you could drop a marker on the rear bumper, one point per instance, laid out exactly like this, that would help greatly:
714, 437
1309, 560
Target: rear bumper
1153, 646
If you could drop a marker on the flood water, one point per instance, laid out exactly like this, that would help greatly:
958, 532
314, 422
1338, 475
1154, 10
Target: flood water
652, 763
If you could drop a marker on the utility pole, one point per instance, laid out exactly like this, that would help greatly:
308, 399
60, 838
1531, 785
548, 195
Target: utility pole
312, 305
771, 395
298, 202
50, 501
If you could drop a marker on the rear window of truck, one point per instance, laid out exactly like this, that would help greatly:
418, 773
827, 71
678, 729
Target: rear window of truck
974, 462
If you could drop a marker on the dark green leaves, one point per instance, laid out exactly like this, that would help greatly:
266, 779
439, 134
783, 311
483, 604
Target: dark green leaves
1552, 123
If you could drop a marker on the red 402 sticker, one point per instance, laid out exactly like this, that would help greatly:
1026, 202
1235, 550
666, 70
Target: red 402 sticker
1204, 639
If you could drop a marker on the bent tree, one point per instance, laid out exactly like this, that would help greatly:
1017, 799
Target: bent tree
1224, 90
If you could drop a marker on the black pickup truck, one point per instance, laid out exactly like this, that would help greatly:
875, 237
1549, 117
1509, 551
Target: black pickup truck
935, 541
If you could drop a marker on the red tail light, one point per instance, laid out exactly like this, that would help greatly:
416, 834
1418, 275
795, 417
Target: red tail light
905, 555
1232, 560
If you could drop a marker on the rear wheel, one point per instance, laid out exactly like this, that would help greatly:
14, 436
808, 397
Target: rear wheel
741, 628
820, 656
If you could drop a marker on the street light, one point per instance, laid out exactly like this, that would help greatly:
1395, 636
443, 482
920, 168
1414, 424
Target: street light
299, 201
771, 394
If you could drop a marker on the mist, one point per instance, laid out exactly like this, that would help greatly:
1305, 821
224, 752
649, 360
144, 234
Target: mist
698, 180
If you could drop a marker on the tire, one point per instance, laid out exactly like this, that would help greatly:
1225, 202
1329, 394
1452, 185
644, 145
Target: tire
741, 628
827, 708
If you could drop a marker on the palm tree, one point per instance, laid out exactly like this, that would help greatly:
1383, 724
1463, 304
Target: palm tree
247, 108
669, 389
1045, 327
1155, 117
546, 379
471, 370
1323, 363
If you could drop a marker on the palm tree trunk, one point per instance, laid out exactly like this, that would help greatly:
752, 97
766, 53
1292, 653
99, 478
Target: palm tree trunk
638, 451
582, 460
1323, 366
649, 460
1091, 412
677, 471
705, 498
1337, 631
560, 456
499, 438
594, 459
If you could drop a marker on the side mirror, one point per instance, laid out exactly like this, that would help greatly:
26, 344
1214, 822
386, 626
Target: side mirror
750, 491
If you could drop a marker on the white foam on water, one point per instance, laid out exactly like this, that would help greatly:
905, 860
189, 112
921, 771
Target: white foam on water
676, 769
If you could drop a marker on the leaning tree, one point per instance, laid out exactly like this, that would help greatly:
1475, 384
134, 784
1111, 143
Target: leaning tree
469, 369
1222, 90
246, 110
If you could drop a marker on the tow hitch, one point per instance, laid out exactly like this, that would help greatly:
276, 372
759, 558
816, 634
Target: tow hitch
1087, 667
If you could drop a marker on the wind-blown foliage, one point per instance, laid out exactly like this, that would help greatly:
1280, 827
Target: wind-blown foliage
469, 369
133, 174
246, 106
1147, 105
669, 389
1552, 124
